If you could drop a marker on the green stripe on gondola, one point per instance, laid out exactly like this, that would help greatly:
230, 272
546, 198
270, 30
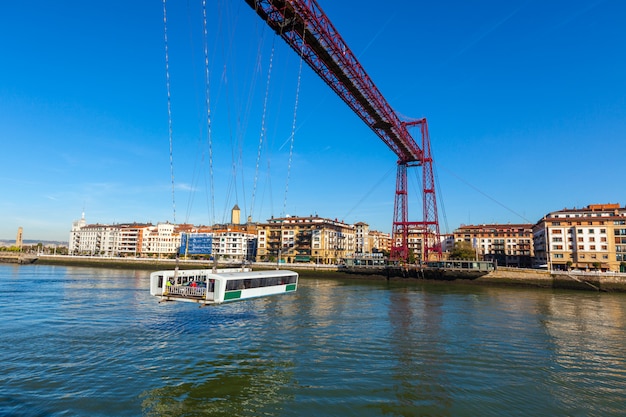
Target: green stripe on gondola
232, 295
290, 287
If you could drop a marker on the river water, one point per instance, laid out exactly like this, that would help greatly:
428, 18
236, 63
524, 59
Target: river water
93, 342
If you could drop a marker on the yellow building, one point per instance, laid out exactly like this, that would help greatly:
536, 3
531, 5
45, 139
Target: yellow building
305, 239
591, 238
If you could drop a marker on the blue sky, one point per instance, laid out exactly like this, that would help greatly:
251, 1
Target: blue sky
525, 101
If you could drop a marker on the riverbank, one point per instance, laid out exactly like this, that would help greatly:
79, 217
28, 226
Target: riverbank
587, 281
16, 258
505, 276
154, 264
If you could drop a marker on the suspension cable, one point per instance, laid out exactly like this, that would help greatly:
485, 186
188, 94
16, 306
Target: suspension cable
208, 110
293, 124
440, 199
262, 133
254, 78
169, 108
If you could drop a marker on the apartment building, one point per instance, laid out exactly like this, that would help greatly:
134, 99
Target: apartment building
131, 239
379, 241
362, 236
160, 240
290, 238
590, 238
94, 239
507, 244
305, 239
235, 246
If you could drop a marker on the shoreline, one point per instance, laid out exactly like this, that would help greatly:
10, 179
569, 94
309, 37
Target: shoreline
502, 276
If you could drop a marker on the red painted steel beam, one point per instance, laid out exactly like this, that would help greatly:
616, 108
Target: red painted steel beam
305, 27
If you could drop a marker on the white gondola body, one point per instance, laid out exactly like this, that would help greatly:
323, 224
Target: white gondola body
204, 286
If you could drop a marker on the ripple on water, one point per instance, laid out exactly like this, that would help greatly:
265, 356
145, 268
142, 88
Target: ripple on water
101, 346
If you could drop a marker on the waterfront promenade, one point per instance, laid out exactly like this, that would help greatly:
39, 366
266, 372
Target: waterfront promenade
578, 280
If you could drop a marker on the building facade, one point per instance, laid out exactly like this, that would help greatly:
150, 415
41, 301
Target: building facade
380, 242
362, 236
235, 246
132, 239
507, 244
305, 239
160, 240
591, 238
287, 239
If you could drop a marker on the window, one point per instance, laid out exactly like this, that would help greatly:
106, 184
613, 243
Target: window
579, 231
592, 247
558, 256
602, 230
591, 231
581, 247
592, 239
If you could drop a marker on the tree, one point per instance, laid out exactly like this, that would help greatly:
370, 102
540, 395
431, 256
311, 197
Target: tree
463, 251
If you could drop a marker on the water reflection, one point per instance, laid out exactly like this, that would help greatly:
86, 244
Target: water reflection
419, 376
230, 385
586, 337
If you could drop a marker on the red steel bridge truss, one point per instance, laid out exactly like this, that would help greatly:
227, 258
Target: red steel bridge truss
307, 29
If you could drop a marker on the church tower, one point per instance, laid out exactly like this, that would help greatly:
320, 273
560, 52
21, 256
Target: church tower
235, 215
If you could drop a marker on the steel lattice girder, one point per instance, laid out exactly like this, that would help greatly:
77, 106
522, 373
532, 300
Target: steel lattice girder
305, 27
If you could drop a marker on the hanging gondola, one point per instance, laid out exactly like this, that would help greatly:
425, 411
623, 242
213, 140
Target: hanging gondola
207, 287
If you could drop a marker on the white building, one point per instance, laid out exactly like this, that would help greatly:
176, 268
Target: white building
362, 237
235, 246
93, 239
159, 240
123, 239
